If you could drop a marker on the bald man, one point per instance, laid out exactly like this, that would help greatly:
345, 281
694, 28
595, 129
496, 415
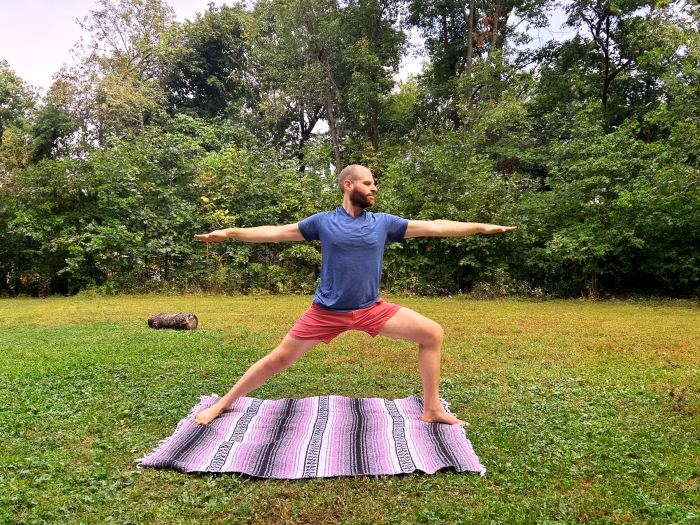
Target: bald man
347, 298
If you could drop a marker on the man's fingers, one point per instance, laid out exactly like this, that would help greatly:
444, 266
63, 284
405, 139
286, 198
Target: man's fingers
207, 237
215, 236
501, 229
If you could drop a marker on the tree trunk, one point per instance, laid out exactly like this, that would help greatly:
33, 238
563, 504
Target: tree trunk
374, 131
494, 32
469, 19
593, 291
178, 321
492, 46
606, 83
305, 135
329, 109
333, 130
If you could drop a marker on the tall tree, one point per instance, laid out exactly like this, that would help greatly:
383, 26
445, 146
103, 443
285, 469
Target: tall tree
316, 60
622, 63
459, 35
56, 123
17, 102
17, 98
115, 76
294, 42
376, 43
207, 63
611, 35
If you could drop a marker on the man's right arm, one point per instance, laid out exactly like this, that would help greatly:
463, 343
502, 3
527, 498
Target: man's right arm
288, 232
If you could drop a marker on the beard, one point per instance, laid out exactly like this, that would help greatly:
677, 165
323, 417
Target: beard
359, 199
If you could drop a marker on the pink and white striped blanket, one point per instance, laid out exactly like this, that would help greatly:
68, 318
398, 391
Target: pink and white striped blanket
315, 437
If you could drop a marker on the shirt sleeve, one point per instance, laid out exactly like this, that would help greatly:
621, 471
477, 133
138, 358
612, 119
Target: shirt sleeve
309, 227
395, 227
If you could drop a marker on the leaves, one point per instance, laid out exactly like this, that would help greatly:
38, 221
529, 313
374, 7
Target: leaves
160, 130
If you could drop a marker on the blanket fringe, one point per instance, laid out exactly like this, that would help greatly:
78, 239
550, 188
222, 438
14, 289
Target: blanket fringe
195, 410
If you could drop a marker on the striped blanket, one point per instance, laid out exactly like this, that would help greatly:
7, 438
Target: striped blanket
315, 437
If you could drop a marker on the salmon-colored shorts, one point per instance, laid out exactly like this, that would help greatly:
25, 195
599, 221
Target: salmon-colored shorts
326, 325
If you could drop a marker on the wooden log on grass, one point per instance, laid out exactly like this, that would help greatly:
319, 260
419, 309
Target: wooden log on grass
178, 321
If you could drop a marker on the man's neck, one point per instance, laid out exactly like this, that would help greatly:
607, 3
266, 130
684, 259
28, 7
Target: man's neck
351, 209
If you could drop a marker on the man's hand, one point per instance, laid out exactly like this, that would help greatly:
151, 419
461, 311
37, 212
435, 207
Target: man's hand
215, 236
494, 228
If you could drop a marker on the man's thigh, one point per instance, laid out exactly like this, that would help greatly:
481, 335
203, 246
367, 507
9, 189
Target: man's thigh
291, 349
411, 326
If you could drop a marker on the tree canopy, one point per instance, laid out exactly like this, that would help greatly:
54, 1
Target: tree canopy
242, 116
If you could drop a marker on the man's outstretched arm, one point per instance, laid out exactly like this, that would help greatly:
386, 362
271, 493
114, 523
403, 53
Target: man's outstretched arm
442, 228
288, 232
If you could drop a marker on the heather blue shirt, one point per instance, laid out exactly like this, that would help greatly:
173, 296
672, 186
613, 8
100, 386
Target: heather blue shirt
352, 253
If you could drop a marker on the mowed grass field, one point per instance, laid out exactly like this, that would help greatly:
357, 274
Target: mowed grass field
581, 412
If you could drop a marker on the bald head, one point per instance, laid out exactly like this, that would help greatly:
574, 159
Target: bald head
351, 173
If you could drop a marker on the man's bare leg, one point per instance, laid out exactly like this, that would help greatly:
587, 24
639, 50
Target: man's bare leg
282, 357
412, 326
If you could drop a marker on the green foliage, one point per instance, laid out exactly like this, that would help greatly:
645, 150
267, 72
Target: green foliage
147, 205
44, 228
207, 61
621, 215
17, 103
16, 98
161, 130
446, 180
373, 46
253, 187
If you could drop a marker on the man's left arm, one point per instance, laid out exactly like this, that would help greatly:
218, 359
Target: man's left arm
442, 228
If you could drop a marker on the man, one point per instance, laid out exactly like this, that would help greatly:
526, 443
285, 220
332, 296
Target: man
347, 298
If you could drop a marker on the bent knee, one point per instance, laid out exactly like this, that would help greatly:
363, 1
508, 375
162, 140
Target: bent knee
433, 335
279, 361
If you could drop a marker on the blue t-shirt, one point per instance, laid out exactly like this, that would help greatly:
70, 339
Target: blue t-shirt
352, 253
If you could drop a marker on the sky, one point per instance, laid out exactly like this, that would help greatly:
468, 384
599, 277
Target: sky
36, 35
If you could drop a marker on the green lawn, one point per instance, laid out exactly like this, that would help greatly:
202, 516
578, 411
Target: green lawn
581, 412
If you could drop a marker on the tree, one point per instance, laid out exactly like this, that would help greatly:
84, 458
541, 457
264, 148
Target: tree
207, 64
608, 25
17, 102
115, 77
458, 38
17, 99
374, 45
287, 65
56, 123
628, 64
315, 60
621, 216
43, 231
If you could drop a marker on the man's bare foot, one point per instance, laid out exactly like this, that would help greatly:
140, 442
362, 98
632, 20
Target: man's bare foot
440, 416
208, 414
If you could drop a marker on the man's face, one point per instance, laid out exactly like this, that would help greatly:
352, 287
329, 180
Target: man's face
363, 191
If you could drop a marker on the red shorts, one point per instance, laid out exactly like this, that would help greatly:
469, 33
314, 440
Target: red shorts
326, 325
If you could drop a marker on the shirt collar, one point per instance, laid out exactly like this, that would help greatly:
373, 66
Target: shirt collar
342, 210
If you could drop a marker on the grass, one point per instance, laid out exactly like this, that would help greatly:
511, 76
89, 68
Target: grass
581, 412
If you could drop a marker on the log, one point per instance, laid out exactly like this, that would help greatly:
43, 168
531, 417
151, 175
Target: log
178, 321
